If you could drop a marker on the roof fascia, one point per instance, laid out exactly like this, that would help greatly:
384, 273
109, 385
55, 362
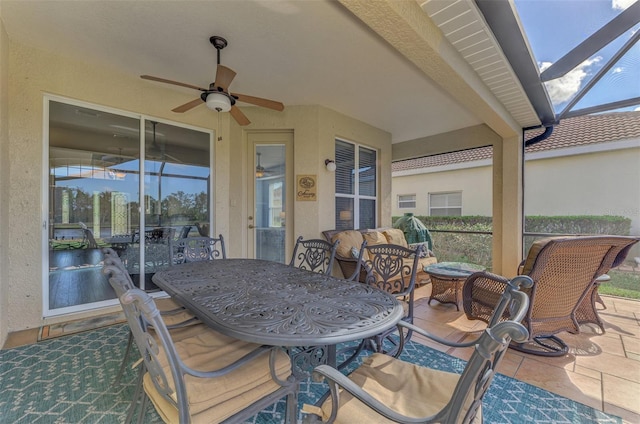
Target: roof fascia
505, 25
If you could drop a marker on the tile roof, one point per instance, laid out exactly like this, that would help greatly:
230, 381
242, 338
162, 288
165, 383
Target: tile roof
571, 132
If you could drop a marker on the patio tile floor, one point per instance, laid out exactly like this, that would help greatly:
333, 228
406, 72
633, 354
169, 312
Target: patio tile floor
600, 370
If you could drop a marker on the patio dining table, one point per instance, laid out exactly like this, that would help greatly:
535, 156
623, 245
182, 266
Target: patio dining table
274, 304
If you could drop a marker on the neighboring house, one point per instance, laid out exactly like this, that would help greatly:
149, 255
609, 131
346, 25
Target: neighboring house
590, 165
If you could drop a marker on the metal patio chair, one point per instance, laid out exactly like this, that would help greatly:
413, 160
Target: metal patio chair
314, 255
385, 389
194, 249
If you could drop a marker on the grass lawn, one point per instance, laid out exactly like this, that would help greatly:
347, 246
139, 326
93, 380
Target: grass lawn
622, 284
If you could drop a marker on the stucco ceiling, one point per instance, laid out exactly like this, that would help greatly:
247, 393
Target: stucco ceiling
297, 52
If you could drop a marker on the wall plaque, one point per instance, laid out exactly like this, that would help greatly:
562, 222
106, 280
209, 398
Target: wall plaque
306, 187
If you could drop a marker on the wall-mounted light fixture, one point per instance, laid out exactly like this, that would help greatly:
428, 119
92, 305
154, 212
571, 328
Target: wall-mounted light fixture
330, 165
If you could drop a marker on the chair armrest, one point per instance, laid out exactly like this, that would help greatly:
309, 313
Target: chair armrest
336, 380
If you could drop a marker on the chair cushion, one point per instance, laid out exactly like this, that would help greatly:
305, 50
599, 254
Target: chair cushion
348, 239
215, 399
409, 389
532, 255
395, 236
174, 314
374, 238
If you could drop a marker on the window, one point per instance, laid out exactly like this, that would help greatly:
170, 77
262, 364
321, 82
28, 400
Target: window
406, 201
356, 186
445, 204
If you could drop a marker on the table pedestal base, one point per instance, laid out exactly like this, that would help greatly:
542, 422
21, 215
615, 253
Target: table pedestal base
445, 290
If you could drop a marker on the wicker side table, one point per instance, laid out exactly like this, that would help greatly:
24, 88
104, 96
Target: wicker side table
447, 279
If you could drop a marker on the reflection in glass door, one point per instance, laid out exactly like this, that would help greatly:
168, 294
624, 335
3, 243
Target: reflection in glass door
97, 199
270, 201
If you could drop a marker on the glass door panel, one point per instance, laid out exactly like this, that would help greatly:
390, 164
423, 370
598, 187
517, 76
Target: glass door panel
270, 202
93, 199
176, 186
97, 199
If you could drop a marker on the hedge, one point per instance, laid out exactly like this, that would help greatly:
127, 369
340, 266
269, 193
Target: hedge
578, 224
476, 248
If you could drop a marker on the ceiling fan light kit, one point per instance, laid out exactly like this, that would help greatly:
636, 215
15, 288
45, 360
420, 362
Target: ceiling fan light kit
217, 97
218, 102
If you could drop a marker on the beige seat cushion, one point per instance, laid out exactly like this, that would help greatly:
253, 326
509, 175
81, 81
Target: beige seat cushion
409, 389
215, 399
348, 240
172, 313
374, 238
532, 255
395, 236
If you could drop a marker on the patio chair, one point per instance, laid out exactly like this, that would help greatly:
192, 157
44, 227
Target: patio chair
392, 268
194, 249
208, 377
175, 316
385, 389
314, 255
564, 271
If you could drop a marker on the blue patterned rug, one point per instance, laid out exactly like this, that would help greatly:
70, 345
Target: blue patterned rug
70, 380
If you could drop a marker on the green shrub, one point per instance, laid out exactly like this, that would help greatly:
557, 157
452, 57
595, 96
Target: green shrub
476, 248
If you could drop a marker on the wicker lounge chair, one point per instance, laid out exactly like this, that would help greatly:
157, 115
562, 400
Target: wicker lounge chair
564, 271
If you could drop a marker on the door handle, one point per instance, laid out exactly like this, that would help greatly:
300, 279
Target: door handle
251, 226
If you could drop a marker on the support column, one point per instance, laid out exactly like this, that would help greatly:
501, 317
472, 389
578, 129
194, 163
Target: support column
507, 206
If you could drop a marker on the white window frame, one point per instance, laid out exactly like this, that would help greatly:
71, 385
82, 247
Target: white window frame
403, 203
356, 196
445, 193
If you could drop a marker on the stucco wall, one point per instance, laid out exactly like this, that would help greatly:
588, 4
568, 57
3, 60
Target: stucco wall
315, 129
34, 73
603, 183
4, 174
474, 183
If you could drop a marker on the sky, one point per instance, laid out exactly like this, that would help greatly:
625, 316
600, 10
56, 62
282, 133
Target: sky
554, 27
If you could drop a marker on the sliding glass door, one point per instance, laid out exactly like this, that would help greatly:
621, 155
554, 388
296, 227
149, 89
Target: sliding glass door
97, 198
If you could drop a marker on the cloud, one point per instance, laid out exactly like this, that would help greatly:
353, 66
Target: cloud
563, 89
637, 109
617, 70
621, 4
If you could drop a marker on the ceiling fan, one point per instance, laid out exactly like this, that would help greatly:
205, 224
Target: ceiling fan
217, 96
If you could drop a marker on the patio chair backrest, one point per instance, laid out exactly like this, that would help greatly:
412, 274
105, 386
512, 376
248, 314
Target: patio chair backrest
195, 249
119, 279
314, 255
563, 270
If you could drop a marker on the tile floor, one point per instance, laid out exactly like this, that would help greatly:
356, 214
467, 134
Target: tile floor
600, 370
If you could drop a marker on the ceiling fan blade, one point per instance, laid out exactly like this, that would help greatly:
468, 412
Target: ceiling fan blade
188, 106
224, 76
240, 117
258, 101
166, 81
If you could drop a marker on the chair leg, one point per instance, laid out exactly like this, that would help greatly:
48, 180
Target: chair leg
137, 395
125, 359
543, 346
291, 413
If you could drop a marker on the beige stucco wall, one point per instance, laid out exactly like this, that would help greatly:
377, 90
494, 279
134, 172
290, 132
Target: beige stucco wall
34, 73
474, 183
4, 174
315, 129
603, 183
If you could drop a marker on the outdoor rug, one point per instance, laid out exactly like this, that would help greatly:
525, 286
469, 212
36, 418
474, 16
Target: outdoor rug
71, 380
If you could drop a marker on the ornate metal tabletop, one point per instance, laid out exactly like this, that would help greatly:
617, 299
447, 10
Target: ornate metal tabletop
271, 303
